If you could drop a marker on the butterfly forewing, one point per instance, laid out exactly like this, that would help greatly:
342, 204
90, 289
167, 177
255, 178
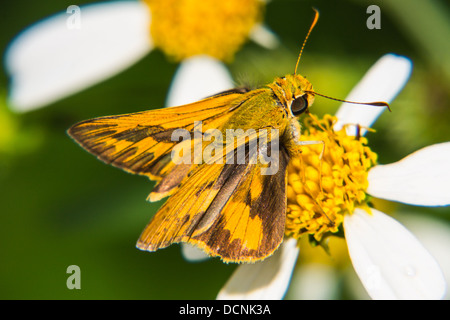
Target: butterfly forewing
141, 143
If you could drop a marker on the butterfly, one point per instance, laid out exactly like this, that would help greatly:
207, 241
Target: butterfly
230, 209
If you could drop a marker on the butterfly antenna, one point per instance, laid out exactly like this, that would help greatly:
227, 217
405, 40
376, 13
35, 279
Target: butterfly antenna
375, 104
316, 17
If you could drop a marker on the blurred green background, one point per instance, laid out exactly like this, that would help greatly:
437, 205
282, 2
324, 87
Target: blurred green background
60, 206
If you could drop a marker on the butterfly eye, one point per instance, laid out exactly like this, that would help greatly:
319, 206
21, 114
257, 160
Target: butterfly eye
299, 105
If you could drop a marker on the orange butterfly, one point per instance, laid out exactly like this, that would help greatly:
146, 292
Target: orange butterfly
230, 209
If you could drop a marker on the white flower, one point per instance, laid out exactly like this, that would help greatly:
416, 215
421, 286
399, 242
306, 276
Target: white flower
50, 61
389, 260
58, 56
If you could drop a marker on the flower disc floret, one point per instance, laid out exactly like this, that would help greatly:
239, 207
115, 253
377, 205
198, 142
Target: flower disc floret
328, 180
184, 28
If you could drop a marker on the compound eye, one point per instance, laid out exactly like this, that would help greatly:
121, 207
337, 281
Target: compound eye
299, 105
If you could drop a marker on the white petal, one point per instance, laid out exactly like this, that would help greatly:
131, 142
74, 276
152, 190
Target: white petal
266, 280
263, 36
192, 253
422, 178
197, 78
389, 260
53, 58
382, 82
435, 236
314, 281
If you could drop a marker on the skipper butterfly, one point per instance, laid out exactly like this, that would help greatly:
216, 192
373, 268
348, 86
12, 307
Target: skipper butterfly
231, 209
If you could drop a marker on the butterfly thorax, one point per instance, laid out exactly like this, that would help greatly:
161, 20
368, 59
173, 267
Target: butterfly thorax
293, 87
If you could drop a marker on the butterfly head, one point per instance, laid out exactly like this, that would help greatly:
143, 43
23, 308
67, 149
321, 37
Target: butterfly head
303, 95
294, 93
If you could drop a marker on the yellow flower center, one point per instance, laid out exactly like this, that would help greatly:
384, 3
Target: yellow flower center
321, 190
183, 28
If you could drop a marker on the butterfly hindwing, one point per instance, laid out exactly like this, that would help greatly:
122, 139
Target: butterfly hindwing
229, 210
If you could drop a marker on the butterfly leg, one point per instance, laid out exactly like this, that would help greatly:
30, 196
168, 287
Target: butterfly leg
358, 132
294, 145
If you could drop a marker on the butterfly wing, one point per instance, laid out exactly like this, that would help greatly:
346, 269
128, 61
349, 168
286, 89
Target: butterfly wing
229, 210
140, 143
